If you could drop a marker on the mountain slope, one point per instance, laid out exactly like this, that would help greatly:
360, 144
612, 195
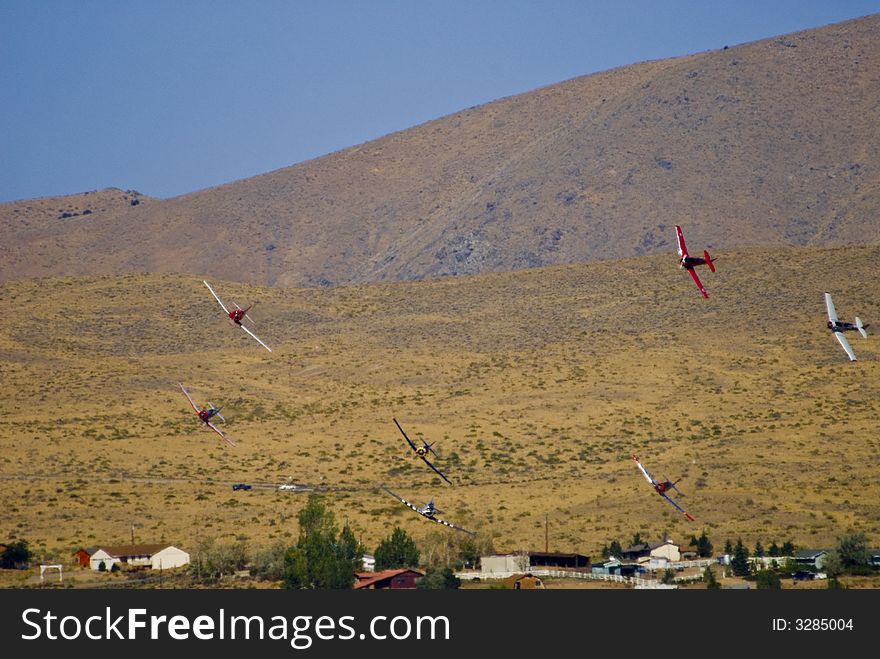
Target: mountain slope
771, 143
538, 384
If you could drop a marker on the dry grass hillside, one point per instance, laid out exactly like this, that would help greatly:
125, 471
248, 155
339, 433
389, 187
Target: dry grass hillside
538, 384
771, 143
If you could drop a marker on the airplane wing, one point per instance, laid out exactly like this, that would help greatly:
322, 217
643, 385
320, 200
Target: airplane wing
439, 473
698, 282
449, 524
682, 249
402, 500
191, 401
216, 297
408, 440
846, 346
256, 337
832, 314
217, 430
644, 471
679, 508
433, 519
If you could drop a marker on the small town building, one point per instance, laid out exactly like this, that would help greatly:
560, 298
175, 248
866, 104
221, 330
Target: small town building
523, 582
644, 550
84, 555
393, 579
814, 558
157, 556
524, 562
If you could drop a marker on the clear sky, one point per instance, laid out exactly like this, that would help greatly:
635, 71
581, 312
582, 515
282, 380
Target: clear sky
172, 96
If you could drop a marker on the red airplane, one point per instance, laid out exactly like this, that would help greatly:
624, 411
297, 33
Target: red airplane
206, 414
237, 315
663, 488
689, 262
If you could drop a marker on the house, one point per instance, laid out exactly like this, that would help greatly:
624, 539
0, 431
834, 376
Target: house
157, 557
811, 558
611, 566
656, 550
665, 549
392, 579
635, 552
523, 582
521, 563
614, 566
84, 555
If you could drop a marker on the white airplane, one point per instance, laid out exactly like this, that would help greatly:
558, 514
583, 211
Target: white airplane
839, 327
428, 512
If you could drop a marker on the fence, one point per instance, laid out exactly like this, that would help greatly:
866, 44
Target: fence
638, 582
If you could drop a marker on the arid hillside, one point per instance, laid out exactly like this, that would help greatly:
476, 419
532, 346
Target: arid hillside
773, 143
539, 384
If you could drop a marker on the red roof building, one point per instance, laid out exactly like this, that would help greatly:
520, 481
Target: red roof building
394, 579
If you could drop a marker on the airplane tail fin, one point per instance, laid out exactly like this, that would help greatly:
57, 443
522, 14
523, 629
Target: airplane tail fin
708, 260
861, 327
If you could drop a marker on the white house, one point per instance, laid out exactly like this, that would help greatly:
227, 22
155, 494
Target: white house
665, 549
157, 557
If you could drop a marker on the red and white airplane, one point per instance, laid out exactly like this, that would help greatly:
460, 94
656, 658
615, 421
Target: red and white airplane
663, 488
237, 315
206, 414
690, 262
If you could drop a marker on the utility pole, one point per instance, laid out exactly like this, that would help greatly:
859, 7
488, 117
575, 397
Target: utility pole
546, 533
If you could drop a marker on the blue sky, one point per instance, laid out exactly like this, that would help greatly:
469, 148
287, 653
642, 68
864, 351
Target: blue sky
169, 96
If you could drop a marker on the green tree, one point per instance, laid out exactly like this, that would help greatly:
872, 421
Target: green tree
853, 549
709, 578
16, 556
740, 560
615, 549
637, 539
702, 544
268, 563
787, 548
350, 548
768, 579
397, 551
439, 578
668, 576
774, 549
833, 565
469, 553
320, 559
728, 547
759, 549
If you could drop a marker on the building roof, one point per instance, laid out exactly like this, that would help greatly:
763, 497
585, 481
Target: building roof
367, 579
643, 546
661, 543
526, 581
555, 554
119, 551
810, 553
